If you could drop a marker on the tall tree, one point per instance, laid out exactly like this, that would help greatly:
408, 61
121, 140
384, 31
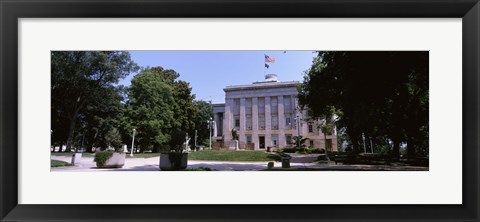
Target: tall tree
82, 77
150, 110
161, 109
384, 94
203, 115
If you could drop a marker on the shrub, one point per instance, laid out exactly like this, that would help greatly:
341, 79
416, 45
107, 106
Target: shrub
289, 150
176, 160
101, 157
201, 169
302, 150
316, 150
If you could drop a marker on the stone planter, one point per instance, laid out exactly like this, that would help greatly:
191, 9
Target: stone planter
76, 158
166, 160
117, 160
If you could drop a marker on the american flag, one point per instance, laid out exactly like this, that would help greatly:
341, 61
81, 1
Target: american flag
269, 59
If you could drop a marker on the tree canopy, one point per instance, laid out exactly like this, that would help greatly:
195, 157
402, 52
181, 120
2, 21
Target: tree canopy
201, 122
383, 95
161, 108
82, 80
89, 109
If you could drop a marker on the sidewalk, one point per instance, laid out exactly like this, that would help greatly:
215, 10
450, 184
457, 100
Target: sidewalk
297, 162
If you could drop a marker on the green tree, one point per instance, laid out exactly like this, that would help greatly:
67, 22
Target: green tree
184, 110
161, 109
380, 94
80, 78
150, 110
299, 141
113, 139
100, 116
327, 125
201, 118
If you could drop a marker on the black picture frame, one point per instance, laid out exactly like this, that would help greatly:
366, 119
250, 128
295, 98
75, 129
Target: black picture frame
11, 11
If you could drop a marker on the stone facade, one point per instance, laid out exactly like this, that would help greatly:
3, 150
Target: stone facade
265, 115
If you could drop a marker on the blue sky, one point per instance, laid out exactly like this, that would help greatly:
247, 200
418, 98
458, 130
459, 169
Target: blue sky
208, 72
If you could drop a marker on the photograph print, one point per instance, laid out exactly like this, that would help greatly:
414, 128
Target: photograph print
239, 110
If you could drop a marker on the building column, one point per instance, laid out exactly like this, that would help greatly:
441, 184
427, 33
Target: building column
255, 122
227, 122
282, 142
215, 120
268, 122
243, 121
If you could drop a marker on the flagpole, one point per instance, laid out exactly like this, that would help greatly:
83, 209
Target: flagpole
264, 70
264, 66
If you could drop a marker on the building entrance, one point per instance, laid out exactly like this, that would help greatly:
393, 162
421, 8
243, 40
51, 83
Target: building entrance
261, 141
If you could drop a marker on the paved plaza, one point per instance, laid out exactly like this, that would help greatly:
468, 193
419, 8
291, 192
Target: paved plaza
298, 161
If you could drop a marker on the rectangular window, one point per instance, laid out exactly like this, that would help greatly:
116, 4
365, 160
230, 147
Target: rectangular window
249, 122
274, 105
288, 122
261, 122
275, 140
288, 139
310, 128
248, 106
275, 122
287, 107
249, 138
311, 143
236, 111
261, 105
237, 122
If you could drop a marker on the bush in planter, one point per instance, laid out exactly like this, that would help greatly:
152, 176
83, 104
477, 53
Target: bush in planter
173, 160
101, 158
106, 159
176, 159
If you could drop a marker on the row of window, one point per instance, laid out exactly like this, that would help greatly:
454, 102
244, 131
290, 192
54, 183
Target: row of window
274, 137
288, 102
288, 138
261, 122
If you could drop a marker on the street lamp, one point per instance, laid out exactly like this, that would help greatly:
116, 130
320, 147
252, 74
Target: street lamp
133, 141
298, 130
364, 147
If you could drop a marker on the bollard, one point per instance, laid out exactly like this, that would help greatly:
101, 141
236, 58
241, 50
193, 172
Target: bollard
286, 162
76, 158
270, 165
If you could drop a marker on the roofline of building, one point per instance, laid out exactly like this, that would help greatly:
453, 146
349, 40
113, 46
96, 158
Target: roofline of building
261, 85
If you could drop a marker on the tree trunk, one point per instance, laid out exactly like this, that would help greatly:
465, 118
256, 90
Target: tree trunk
411, 148
355, 146
90, 140
396, 150
70, 133
61, 145
89, 145
59, 148
326, 150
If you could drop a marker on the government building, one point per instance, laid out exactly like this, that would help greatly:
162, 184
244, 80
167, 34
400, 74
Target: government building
265, 114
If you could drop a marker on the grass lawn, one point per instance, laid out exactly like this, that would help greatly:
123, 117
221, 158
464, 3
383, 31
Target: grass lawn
225, 155
58, 163
218, 155
70, 154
